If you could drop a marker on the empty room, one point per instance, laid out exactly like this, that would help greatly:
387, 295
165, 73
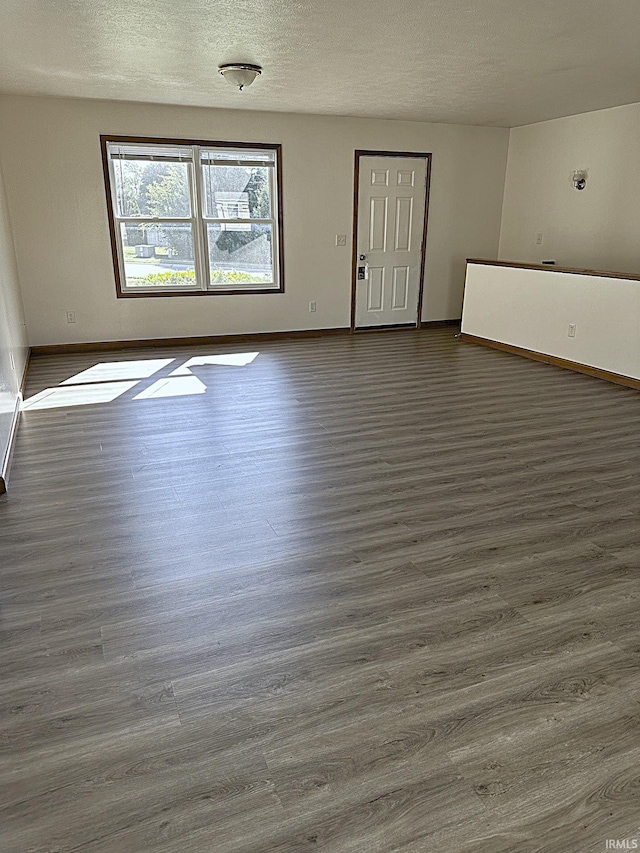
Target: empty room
319, 470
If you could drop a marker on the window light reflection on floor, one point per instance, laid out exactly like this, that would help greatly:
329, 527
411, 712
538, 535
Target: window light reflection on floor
104, 382
112, 371
172, 386
77, 395
238, 359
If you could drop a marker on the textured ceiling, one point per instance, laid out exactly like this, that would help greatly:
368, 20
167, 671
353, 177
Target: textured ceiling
492, 62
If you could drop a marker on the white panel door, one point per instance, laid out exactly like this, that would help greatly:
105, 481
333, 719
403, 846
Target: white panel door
391, 195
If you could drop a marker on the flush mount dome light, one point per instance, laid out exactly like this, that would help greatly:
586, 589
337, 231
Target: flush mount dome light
240, 74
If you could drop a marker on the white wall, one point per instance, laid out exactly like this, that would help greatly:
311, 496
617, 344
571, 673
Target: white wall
596, 228
532, 309
55, 188
13, 338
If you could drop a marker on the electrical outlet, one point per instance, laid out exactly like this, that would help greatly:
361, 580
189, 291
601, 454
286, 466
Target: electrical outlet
539, 238
71, 316
312, 307
572, 330
341, 239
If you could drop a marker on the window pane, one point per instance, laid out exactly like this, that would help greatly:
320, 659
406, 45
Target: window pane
151, 188
158, 254
239, 156
240, 254
236, 192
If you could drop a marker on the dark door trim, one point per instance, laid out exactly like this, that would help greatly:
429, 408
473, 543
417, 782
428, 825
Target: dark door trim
354, 254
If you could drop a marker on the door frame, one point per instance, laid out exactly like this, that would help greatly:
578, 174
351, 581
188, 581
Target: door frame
354, 253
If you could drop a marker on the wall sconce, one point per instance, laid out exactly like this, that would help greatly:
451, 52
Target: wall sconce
240, 74
579, 179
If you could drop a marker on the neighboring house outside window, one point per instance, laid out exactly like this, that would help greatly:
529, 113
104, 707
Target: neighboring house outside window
194, 218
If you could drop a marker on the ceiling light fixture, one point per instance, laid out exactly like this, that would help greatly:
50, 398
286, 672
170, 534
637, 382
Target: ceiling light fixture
240, 74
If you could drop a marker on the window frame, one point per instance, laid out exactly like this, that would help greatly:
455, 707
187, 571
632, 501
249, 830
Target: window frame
198, 220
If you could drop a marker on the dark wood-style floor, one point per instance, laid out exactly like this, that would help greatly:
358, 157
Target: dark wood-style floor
372, 593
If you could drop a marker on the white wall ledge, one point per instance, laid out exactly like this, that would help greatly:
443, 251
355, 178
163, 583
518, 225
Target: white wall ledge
531, 307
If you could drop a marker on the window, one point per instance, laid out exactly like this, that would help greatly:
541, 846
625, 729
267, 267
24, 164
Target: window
194, 217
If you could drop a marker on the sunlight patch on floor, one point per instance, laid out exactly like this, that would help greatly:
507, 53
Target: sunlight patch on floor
77, 395
237, 359
104, 382
172, 386
112, 371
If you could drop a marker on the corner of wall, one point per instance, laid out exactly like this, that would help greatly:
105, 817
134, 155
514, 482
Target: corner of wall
504, 196
14, 350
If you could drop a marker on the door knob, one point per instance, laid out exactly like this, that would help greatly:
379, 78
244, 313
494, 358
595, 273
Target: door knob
363, 257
